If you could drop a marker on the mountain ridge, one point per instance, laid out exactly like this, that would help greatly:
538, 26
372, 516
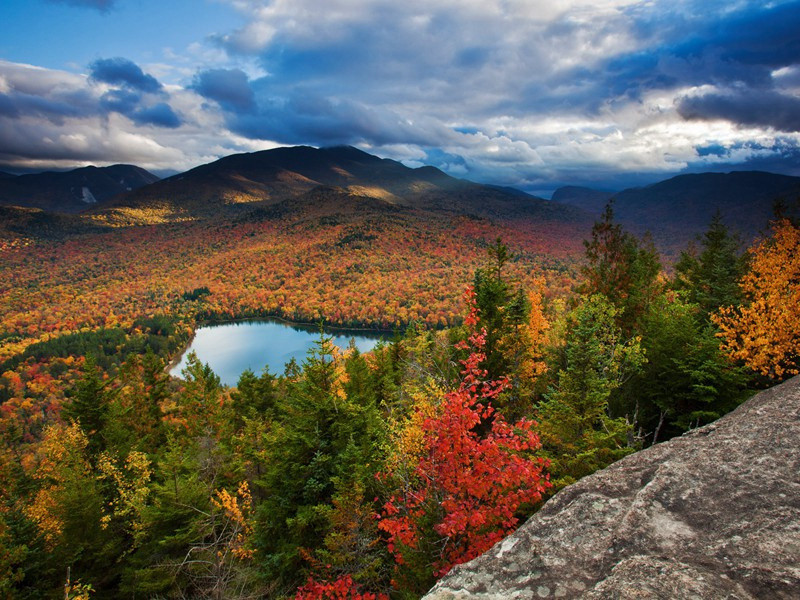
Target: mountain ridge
71, 191
259, 179
670, 207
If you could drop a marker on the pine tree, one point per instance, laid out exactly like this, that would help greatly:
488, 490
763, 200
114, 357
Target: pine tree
576, 430
89, 406
711, 278
325, 430
623, 269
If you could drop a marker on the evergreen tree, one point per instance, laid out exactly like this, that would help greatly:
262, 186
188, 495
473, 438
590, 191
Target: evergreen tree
576, 430
502, 311
687, 381
711, 278
623, 269
89, 406
325, 432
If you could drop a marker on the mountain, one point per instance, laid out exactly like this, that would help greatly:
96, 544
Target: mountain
72, 191
745, 199
689, 518
583, 197
244, 182
678, 208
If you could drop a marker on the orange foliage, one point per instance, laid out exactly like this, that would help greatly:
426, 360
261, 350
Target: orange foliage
765, 331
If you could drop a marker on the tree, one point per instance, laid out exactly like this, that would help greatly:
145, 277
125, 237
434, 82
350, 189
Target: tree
622, 269
764, 331
578, 434
89, 406
466, 487
711, 278
687, 380
324, 437
200, 402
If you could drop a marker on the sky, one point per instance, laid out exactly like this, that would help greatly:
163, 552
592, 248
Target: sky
532, 94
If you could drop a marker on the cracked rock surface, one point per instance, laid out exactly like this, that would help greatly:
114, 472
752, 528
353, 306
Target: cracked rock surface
712, 514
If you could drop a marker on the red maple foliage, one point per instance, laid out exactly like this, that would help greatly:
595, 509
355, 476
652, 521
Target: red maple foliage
343, 588
469, 481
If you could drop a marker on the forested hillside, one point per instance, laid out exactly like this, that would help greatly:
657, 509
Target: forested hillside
524, 361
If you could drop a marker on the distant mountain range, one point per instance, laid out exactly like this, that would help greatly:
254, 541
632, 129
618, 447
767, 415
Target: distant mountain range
71, 191
318, 181
687, 203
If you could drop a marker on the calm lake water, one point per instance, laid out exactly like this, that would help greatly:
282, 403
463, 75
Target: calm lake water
231, 348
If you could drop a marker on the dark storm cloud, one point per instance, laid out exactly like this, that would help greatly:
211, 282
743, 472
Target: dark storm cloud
710, 46
53, 107
124, 72
229, 87
121, 101
160, 115
305, 118
749, 107
743, 46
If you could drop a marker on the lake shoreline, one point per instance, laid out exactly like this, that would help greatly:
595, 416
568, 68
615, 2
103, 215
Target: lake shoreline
212, 322
308, 329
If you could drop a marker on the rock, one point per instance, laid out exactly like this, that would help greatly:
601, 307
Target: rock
712, 514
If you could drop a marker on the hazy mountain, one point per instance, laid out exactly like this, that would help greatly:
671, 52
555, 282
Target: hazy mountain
72, 191
677, 209
583, 197
244, 182
742, 196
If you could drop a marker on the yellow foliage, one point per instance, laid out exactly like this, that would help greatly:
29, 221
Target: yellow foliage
406, 435
765, 331
237, 508
59, 461
130, 483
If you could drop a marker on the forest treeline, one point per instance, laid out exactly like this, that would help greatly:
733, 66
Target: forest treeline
370, 476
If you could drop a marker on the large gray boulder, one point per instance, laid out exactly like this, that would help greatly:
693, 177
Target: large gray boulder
712, 514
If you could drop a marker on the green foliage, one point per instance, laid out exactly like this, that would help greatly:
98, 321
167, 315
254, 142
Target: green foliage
576, 430
171, 524
687, 381
108, 346
711, 278
503, 312
623, 269
195, 294
90, 405
324, 438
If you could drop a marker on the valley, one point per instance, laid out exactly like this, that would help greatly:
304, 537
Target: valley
533, 334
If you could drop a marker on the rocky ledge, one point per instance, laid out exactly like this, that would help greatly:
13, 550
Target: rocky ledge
712, 514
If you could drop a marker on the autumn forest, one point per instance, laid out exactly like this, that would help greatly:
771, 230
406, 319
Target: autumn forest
529, 349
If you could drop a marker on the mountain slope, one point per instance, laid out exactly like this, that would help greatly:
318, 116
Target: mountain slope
243, 182
745, 199
72, 191
583, 197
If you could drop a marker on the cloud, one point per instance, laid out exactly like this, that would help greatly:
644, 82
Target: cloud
747, 107
121, 71
55, 119
514, 92
229, 87
101, 5
160, 115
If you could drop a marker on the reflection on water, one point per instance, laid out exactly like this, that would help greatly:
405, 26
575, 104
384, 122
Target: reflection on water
231, 348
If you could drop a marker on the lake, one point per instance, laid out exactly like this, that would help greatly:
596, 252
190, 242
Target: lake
232, 348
